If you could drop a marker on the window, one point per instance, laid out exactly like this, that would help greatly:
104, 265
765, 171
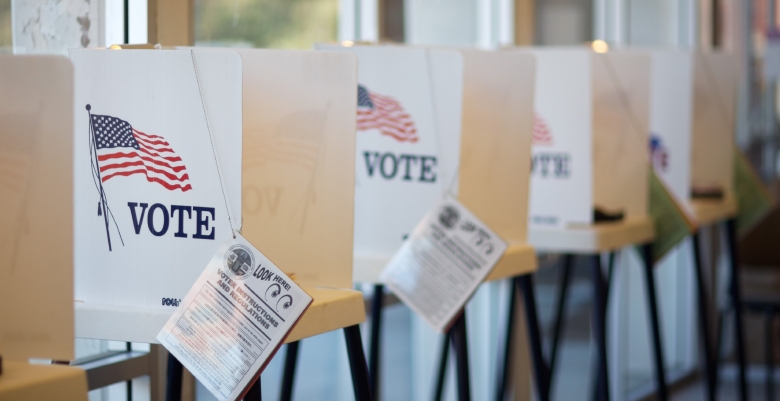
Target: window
292, 24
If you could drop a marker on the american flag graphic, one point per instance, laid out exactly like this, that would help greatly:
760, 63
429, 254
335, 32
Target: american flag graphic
122, 151
385, 114
541, 134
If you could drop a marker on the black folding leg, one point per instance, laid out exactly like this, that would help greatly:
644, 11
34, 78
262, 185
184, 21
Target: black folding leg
541, 371
254, 393
441, 373
174, 376
357, 364
736, 299
560, 311
128, 383
769, 353
376, 330
505, 353
288, 376
710, 370
655, 327
600, 327
460, 347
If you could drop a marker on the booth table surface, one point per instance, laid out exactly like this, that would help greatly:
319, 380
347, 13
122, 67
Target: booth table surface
331, 309
710, 211
518, 259
594, 238
22, 381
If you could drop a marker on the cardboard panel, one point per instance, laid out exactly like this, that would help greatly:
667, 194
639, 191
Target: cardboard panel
36, 208
671, 111
715, 92
166, 209
496, 139
446, 72
299, 161
561, 178
621, 105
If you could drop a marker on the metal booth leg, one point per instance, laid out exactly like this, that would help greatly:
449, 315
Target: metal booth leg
736, 299
599, 327
441, 372
460, 346
505, 353
560, 311
770, 353
288, 377
174, 376
357, 364
710, 369
254, 393
375, 347
541, 371
660, 376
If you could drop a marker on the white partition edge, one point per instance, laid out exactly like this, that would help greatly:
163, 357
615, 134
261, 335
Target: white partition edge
367, 268
119, 323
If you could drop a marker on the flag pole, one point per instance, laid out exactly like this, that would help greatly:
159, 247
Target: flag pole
103, 202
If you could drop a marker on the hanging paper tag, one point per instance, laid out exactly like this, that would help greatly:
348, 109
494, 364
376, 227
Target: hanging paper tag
234, 319
439, 267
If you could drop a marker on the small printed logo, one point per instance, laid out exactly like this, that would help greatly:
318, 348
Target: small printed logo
273, 298
659, 156
448, 217
171, 301
239, 261
375, 111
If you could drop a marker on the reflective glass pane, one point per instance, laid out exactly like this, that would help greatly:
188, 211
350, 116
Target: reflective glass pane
292, 24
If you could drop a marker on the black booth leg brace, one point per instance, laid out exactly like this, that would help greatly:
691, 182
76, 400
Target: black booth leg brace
375, 348
710, 358
288, 377
710, 370
456, 336
736, 299
357, 364
174, 377
655, 326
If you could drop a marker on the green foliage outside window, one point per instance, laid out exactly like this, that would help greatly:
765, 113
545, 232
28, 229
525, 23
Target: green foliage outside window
294, 24
5, 25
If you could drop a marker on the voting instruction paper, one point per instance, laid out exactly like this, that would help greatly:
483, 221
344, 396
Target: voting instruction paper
234, 319
440, 266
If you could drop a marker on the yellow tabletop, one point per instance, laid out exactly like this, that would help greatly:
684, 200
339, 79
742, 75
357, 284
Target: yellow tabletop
594, 238
519, 259
710, 211
331, 309
24, 382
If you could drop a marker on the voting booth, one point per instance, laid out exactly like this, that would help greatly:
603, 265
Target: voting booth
157, 181
590, 145
692, 145
589, 179
36, 228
